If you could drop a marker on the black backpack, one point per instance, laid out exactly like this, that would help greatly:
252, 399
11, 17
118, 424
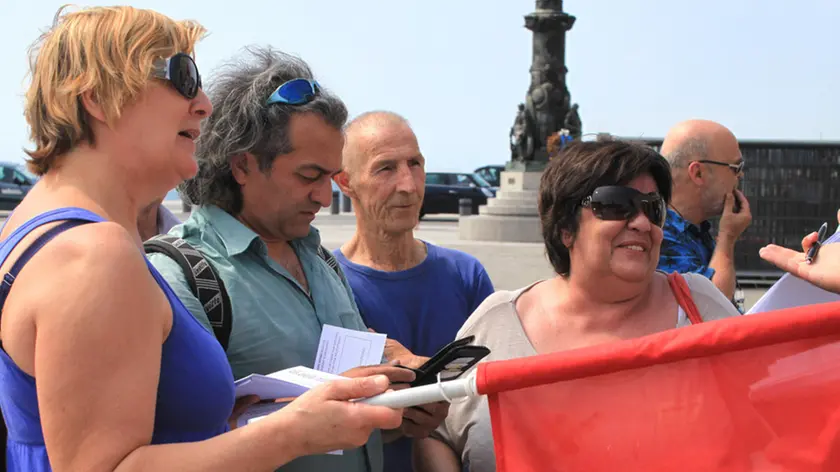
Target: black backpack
204, 280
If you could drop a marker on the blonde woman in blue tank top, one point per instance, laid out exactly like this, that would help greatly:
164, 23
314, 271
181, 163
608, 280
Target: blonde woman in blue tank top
101, 366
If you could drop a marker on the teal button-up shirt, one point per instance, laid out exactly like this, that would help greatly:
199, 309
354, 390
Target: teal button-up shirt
276, 324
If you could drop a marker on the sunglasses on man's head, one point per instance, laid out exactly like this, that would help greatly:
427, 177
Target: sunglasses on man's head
180, 70
614, 203
294, 92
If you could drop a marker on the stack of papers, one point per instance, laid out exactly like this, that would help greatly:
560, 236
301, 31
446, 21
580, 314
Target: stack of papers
285, 383
339, 350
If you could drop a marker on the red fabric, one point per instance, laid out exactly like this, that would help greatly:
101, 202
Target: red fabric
682, 292
753, 393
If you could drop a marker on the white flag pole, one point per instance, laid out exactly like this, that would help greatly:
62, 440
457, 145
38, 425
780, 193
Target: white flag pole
432, 393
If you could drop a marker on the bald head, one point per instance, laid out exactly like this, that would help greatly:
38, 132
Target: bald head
366, 132
705, 164
384, 172
694, 140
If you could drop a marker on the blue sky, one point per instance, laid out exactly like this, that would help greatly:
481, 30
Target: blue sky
457, 69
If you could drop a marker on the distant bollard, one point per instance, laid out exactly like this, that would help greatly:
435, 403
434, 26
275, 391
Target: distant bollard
465, 207
334, 207
346, 204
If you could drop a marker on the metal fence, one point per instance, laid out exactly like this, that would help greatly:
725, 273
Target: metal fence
793, 187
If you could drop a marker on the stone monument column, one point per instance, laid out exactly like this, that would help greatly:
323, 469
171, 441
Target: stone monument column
548, 109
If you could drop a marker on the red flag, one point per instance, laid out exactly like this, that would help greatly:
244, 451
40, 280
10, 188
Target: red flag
753, 393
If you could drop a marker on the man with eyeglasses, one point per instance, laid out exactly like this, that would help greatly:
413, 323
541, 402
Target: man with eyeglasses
706, 166
266, 158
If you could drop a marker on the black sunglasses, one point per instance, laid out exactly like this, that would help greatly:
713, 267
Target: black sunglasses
180, 70
614, 202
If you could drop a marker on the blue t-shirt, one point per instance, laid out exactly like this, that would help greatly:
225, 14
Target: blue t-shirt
423, 308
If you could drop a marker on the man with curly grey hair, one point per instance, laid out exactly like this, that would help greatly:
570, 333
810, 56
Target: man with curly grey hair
266, 158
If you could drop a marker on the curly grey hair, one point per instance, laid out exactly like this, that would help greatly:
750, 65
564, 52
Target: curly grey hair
241, 122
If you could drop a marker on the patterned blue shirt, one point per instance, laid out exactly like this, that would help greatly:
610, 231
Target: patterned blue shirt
686, 247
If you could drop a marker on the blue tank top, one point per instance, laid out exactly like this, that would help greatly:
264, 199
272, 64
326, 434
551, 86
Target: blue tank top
196, 392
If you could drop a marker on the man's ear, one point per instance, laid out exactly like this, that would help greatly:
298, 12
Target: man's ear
240, 166
696, 173
342, 179
92, 106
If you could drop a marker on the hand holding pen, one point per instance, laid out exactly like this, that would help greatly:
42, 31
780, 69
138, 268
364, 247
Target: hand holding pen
812, 252
824, 272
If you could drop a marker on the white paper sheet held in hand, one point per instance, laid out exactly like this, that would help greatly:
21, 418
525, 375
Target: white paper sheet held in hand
290, 382
790, 291
342, 349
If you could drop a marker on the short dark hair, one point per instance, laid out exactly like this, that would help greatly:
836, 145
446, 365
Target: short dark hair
576, 172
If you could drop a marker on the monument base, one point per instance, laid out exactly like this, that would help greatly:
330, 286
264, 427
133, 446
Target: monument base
509, 217
527, 166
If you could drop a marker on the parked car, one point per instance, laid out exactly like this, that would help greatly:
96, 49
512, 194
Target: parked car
444, 189
492, 174
15, 182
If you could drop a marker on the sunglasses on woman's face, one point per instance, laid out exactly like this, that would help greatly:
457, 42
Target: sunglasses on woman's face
615, 203
180, 70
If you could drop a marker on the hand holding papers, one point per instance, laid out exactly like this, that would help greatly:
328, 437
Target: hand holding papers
284, 384
340, 350
324, 419
804, 284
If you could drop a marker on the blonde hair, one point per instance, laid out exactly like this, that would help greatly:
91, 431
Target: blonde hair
107, 51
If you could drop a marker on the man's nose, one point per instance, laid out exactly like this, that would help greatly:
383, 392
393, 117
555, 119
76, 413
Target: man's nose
322, 195
405, 180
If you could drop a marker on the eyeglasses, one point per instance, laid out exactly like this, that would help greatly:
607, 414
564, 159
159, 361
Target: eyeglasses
295, 92
180, 70
614, 203
737, 168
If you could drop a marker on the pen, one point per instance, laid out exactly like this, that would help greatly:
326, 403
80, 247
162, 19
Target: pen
812, 253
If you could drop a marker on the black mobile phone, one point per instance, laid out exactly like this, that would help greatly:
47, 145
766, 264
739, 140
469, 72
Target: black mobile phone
736, 208
451, 362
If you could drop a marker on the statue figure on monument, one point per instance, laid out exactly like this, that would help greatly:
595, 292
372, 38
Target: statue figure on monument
522, 136
539, 132
539, 106
544, 104
547, 104
572, 122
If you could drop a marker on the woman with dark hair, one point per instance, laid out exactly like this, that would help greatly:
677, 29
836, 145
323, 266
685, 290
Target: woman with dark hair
602, 206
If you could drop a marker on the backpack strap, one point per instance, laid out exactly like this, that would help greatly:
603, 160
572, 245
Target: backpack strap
206, 284
331, 261
682, 292
204, 281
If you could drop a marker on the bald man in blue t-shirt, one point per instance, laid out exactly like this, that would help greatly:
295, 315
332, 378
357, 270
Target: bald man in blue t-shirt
417, 293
